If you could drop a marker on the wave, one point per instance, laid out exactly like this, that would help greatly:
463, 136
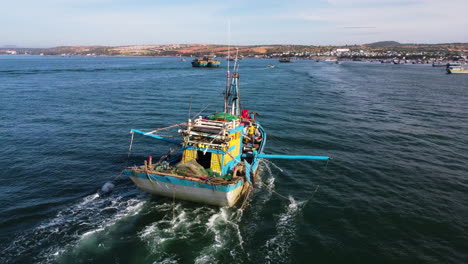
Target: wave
277, 249
72, 226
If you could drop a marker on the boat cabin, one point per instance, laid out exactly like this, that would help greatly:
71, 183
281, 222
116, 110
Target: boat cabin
215, 143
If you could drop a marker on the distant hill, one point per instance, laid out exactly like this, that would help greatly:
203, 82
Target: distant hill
384, 44
381, 48
9, 46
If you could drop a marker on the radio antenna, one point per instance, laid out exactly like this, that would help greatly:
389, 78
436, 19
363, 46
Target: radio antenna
228, 74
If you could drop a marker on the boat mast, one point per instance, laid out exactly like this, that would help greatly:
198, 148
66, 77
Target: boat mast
232, 96
228, 75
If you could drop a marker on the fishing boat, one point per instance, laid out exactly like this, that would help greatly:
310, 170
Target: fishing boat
285, 60
456, 69
398, 61
233, 59
439, 64
206, 62
271, 66
220, 155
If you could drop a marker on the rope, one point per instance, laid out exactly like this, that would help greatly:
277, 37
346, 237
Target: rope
168, 153
131, 145
273, 191
215, 180
211, 142
164, 128
272, 163
201, 111
246, 199
128, 157
312, 196
149, 178
287, 198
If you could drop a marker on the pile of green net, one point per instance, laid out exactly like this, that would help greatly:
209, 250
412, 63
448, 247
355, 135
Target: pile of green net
192, 168
224, 116
212, 173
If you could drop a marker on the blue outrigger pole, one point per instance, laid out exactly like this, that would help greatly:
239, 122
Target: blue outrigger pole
155, 136
269, 156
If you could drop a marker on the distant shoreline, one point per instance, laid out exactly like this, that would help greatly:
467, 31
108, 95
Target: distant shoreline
379, 50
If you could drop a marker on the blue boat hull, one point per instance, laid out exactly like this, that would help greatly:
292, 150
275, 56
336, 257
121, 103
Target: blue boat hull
199, 64
188, 189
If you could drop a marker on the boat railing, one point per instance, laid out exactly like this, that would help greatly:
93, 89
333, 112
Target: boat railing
198, 143
215, 123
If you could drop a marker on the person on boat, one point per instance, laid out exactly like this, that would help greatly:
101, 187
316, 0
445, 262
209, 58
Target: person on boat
251, 129
253, 116
245, 113
245, 117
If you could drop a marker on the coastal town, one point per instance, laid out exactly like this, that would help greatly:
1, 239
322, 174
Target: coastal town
386, 51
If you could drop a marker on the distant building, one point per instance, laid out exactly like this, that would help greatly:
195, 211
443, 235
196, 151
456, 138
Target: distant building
342, 50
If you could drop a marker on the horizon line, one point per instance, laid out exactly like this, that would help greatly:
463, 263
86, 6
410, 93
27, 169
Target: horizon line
7, 46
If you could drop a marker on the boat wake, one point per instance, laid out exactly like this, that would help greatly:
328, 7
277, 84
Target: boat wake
277, 249
261, 197
73, 226
205, 231
160, 228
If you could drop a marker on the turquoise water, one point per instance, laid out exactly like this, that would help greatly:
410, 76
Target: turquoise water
395, 192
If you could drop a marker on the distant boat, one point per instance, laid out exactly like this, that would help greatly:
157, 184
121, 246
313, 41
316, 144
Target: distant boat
285, 60
180, 58
206, 62
399, 61
456, 69
439, 64
232, 59
271, 66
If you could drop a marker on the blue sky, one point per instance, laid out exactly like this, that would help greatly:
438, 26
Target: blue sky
48, 23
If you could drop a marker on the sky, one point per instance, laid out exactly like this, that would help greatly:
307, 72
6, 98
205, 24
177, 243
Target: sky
50, 23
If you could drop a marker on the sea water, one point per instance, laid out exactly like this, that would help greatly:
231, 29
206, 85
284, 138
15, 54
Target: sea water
395, 192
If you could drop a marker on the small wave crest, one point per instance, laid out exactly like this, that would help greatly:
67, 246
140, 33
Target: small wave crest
277, 248
71, 225
206, 231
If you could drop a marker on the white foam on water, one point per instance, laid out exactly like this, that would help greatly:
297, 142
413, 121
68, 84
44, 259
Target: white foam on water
277, 248
225, 231
216, 228
261, 196
270, 181
91, 215
107, 187
169, 260
178, 223
272, 163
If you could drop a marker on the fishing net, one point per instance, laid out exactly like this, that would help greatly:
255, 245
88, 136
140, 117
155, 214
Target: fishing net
191, 168
224, 116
